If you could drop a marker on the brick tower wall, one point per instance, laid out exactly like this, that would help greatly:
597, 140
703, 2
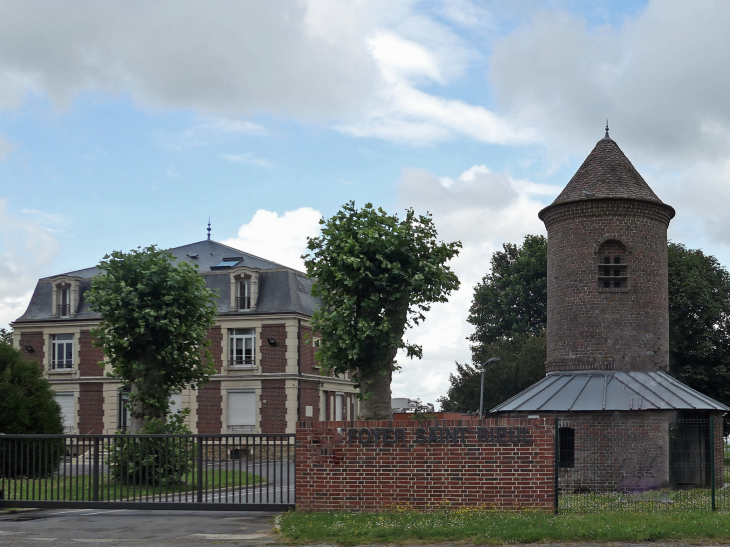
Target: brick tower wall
591, 327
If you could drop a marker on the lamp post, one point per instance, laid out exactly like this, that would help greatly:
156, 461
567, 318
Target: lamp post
481, 393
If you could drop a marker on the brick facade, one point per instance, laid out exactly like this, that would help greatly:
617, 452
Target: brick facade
210, 409
89, 356
593, 327
273, 358
91, 408
309, 397
307, 362
35, 340
273, 406
215, 337
333, 473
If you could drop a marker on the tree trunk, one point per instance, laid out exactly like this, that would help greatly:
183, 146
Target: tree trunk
138, 411
377, 406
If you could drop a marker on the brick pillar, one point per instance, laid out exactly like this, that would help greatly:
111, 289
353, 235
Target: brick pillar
273, 406
215, 336
273, 358
91, 408
89, 356
210, 410
35, 340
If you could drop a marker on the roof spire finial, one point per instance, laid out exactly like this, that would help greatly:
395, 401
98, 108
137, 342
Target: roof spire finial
607, 130
208, 228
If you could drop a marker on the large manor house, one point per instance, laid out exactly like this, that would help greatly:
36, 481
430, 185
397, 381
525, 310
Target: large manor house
266, 377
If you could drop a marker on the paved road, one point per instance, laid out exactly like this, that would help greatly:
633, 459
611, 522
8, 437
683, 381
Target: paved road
66, 528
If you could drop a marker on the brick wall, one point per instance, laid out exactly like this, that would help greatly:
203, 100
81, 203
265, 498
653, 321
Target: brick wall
210, 408
336, 472
592, 327
306, 352
91, 408
309, 396
36, 341
215, 336
273, 406
273, 358
89, 356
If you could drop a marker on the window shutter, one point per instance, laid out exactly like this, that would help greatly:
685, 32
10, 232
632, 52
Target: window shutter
241, 410
66, 402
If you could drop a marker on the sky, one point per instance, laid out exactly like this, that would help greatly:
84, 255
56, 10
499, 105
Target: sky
130, 123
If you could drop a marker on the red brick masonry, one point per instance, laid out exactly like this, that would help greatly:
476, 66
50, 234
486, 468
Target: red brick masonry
371, 466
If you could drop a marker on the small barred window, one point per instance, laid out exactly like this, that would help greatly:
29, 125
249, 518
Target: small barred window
612, 267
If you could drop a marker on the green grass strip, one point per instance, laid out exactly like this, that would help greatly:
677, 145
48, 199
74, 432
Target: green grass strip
499, 527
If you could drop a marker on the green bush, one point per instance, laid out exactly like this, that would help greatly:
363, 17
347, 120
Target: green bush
27, 407
153, 461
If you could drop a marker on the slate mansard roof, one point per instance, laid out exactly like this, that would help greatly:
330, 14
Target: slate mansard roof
609, 391
606, 174
281, 289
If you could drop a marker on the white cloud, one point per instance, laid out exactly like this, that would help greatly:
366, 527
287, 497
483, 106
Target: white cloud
482, 209
246, 158
282, 239
5, 148
27, 247
659, 81
223, 57
172, 173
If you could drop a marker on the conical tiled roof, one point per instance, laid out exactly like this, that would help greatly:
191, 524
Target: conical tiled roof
606, 173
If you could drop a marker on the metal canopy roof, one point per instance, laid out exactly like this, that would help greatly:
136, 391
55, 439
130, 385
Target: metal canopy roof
609, 390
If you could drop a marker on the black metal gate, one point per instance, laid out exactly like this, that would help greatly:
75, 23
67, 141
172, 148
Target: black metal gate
186, 472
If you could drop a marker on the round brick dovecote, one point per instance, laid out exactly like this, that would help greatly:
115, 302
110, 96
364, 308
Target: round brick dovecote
607, 285
607, 289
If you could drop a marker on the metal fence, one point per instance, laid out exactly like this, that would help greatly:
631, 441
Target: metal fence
647, 462
216, 472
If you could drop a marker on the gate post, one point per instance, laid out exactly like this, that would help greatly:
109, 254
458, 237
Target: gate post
95, 491
557, 462
712, 460
200, 470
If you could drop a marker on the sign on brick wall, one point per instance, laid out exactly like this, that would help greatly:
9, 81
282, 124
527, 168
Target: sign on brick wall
374, 465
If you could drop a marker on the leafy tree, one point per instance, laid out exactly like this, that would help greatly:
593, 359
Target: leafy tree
376, 275
512, 297
155, 316
699, 321
6, 336
27, 407
521, 364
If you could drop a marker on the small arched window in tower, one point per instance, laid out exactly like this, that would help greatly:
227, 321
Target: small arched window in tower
612, 266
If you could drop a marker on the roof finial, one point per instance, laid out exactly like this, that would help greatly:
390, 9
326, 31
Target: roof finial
208, 228
607, 130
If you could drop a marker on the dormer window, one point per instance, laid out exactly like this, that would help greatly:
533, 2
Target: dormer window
244, 289
64, 299
243, 294
612, 266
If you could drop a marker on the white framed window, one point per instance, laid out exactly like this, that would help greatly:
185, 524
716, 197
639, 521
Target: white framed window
123, 417
175, 403
242, 410
242, 343
243, 294
339, 402
68, 412
64, 302
62, 351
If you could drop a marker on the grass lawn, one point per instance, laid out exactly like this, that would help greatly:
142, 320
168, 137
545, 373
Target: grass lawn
78, 488
498, 527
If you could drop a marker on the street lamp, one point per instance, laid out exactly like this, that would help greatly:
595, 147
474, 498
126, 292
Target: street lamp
481, 394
